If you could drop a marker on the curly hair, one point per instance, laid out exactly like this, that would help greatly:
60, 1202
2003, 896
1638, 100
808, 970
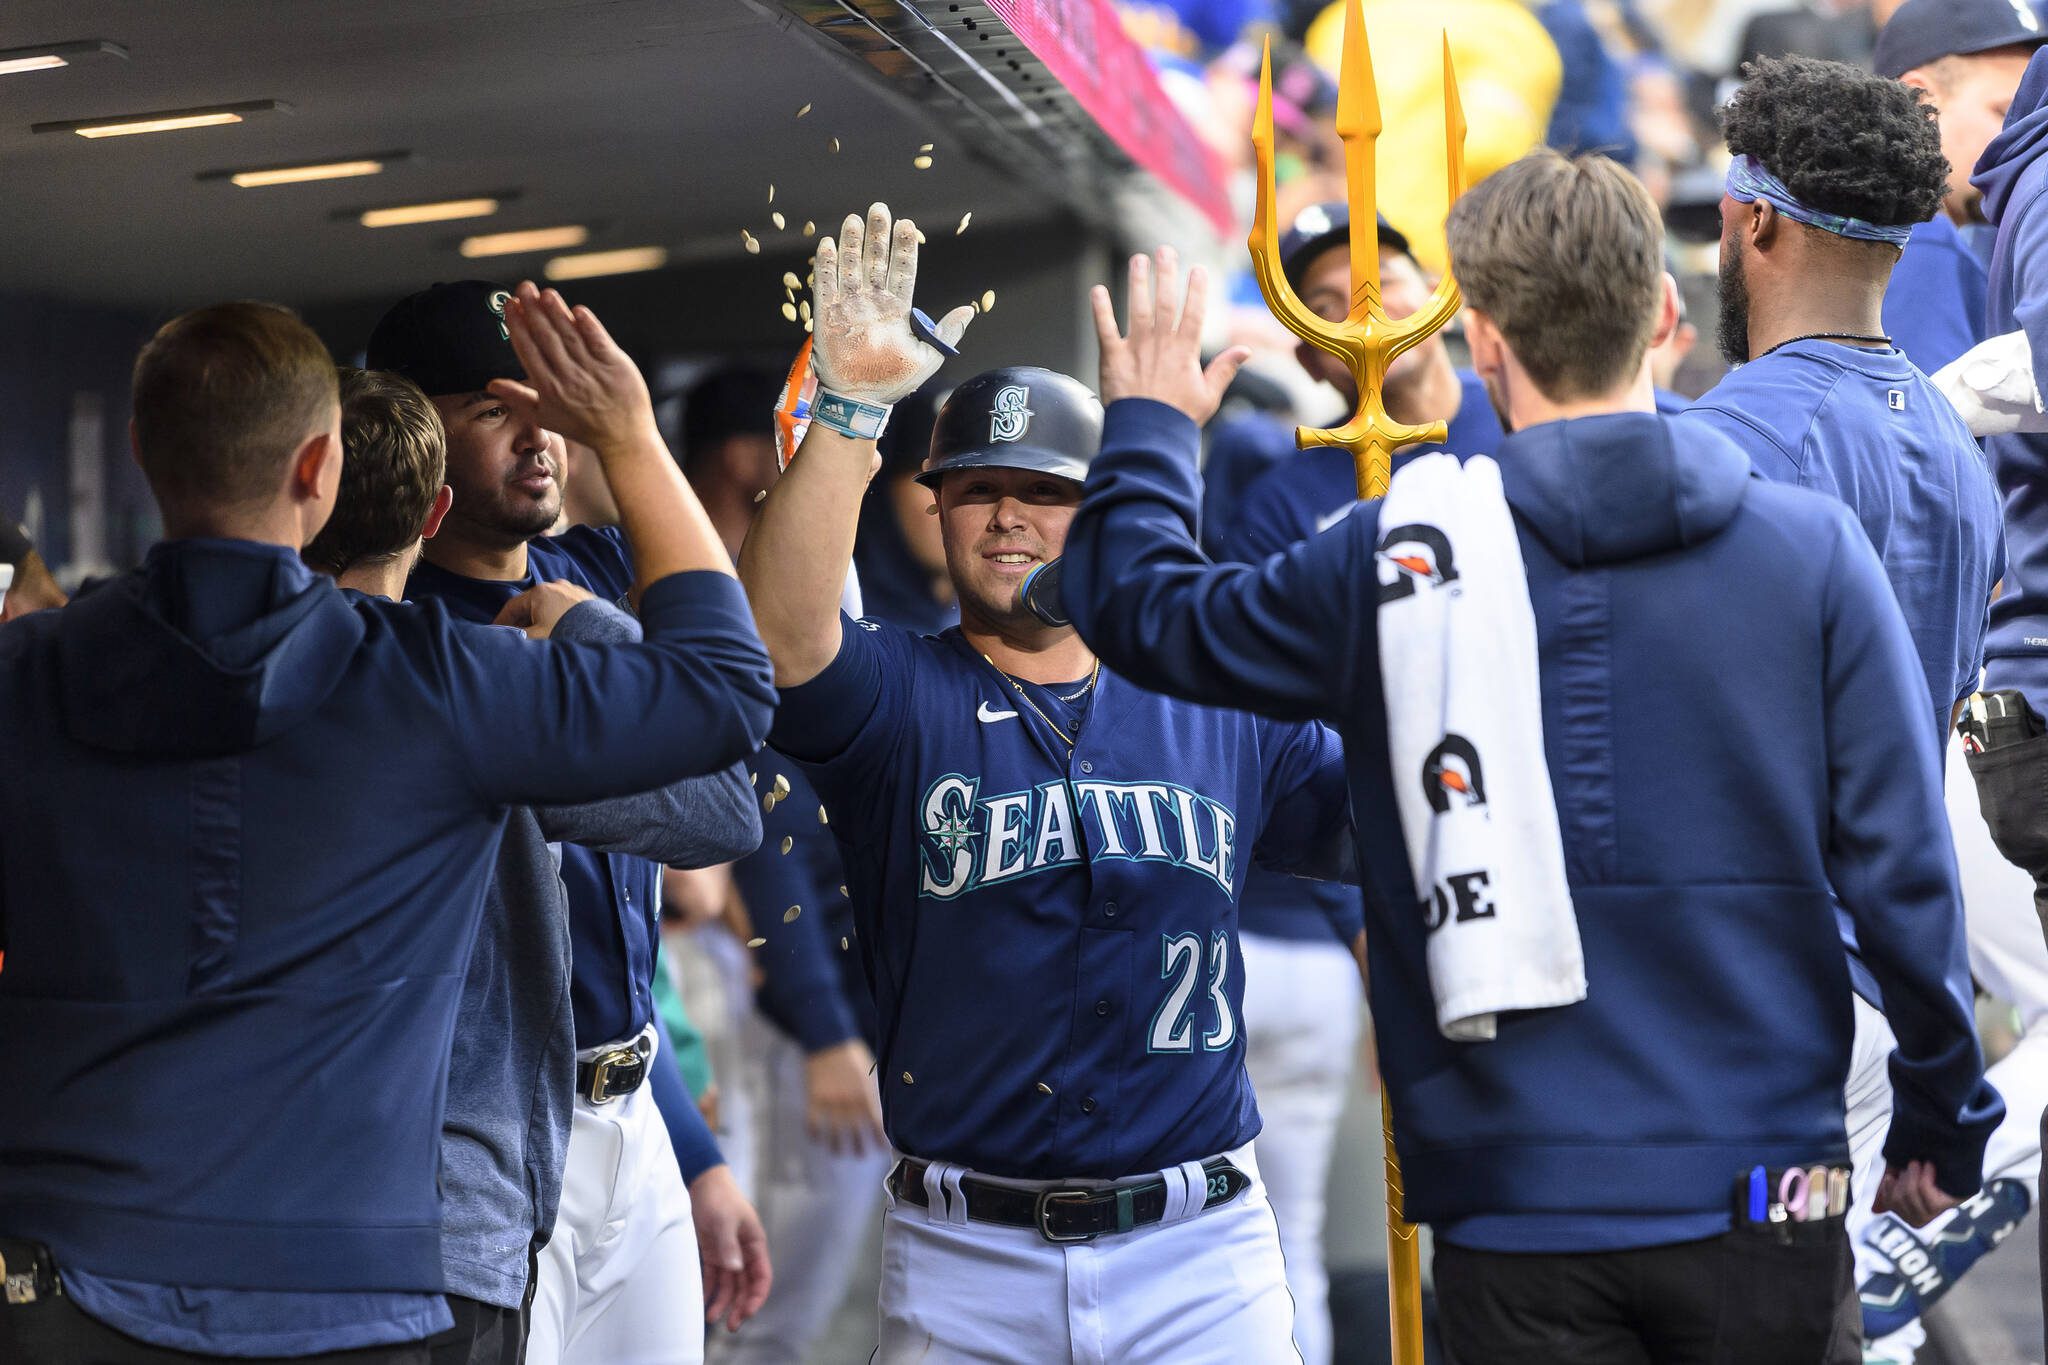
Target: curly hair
1843, 140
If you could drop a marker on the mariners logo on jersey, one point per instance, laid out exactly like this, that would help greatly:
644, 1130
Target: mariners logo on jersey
1452, 771
1416, 553
972, 841
1010, 416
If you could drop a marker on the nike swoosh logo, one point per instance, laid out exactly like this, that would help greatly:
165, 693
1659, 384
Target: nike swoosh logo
984, 715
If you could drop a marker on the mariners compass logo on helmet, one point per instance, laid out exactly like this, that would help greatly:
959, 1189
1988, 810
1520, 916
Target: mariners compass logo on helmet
1452, 772
499, 298
1008, 417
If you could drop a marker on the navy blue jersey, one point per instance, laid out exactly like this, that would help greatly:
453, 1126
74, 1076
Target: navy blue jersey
1051, 936
1934, 305
1866, 427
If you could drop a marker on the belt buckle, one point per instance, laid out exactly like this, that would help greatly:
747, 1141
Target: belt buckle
601, 1072
1046, 1199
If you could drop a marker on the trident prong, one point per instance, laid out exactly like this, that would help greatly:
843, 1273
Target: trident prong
1367, 341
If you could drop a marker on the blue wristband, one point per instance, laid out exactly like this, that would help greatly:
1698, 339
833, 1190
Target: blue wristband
849, 416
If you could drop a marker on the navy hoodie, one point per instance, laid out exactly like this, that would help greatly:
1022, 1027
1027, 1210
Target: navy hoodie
245, 829
2012, 175
1725, 681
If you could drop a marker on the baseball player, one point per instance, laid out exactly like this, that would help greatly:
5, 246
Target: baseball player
620, 1279
1044, 863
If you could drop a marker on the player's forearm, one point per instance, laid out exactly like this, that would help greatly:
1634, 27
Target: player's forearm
795, 560
666, 527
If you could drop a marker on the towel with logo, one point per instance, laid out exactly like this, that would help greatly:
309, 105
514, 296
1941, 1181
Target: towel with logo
1465, 736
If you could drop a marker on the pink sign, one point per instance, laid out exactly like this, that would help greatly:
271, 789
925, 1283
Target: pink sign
1083, 46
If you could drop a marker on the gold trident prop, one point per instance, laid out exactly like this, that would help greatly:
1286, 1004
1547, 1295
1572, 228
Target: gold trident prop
1367, 341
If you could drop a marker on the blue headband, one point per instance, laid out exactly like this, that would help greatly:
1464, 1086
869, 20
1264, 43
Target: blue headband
1748, 182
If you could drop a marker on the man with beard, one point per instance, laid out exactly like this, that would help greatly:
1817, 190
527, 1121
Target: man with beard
1811, 226
619, 1279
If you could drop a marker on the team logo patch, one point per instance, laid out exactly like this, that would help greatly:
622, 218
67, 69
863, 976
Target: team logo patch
1010, 418
1416, 553
499, 298
1452, 773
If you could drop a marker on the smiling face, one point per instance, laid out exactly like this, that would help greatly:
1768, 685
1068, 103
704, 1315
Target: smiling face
998, 525
1326, 289
506, 472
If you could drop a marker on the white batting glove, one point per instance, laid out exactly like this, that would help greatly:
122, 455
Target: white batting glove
867, 353
1992, 386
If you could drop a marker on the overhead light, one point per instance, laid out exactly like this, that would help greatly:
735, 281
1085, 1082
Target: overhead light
622, 262
162, 120
532, 239
50, 56
252, 177
440, 212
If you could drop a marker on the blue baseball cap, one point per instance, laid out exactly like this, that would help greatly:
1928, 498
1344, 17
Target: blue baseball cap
1923, 31
1325, 225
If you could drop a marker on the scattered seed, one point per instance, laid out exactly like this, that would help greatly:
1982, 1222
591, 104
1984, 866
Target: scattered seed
923, 163
747, 240
789, 915
803, 309
988, 301
963, 223
768, 803
776, 218
920, 235
753, 779
924, 147
809, 227
781, 787
822, 818
761, 496
805, 110
756, 942
788, 843
842, 890
789, 280
789, 311
1044, 1089
807, 327
835, 145
909, 1079
844, 945
771, 194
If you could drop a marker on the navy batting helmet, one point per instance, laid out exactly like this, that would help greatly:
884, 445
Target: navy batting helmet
1019, 417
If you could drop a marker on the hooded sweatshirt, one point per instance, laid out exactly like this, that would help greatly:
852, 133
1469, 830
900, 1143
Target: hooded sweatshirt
2011, 175
245, 829
1725, 680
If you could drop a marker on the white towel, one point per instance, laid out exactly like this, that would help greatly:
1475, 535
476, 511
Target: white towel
1465, 735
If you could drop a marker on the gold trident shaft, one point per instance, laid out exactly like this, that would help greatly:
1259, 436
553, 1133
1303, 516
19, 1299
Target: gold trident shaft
1367, 341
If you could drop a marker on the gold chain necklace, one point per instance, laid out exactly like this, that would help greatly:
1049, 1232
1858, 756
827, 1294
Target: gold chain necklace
1018, 688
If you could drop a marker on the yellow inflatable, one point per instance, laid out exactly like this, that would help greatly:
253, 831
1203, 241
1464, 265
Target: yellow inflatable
1508, 76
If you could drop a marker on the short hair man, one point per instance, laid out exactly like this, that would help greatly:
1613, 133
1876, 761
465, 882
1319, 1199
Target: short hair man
1822, 399
512, 1073
504, 465
1263, 493
1302, 1000
1044, 864
1966, 57
1706, 821
216, 911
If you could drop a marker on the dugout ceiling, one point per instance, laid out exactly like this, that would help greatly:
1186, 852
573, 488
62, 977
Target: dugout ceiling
654, 122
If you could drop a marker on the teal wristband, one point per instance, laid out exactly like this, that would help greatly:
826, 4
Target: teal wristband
849, 416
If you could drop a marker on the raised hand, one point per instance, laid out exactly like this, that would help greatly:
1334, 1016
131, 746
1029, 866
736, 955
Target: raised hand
1161, 358
861, 290
578, 382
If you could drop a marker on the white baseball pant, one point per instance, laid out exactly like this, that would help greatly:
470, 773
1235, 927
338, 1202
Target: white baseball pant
820, 1207
1198, 1288
2010, 958
1302, 1005
619, 1280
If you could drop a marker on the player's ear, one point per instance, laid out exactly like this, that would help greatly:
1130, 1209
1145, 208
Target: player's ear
443, 500
1667, 312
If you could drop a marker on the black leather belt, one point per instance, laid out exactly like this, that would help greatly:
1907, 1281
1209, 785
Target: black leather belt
27, 1271
611, 1073
1069, 1213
